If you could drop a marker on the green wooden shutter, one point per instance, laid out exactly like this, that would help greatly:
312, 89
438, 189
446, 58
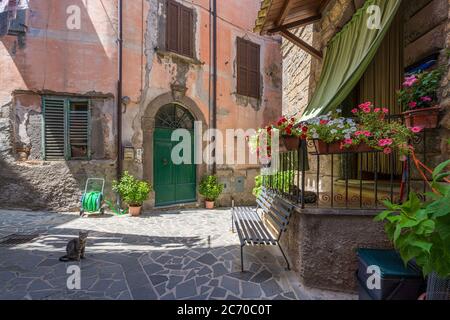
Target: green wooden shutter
54, 129
79, 119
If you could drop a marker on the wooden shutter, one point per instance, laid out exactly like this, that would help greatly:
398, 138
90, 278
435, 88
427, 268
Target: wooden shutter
54, 129
253, 70
79, 130
180, 29
173, 26
242, 66
187, 32
248, 65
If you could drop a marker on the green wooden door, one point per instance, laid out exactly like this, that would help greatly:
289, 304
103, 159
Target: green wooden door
174, 184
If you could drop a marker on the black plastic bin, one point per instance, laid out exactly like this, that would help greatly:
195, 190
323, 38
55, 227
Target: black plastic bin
398, 282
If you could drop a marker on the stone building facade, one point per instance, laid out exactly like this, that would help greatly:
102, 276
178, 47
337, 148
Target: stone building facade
57, 58
322, 242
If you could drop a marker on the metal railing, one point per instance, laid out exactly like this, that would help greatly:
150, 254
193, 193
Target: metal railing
346, 180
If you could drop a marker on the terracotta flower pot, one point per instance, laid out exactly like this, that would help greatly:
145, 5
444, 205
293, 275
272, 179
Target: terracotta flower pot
291, 143
427, 118
135, 211
335, 148
209, 204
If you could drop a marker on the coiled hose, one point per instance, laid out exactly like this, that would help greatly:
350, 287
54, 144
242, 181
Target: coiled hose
92, 201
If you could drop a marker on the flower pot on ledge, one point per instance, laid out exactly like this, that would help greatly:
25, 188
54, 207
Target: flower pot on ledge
427, 118
323, 148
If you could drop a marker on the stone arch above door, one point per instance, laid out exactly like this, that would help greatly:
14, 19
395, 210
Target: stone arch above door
148, 128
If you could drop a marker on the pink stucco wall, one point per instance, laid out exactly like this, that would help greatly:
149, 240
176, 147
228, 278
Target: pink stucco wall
53, 59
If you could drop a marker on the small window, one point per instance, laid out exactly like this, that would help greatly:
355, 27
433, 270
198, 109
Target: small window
66, 129
248, 64
180, 29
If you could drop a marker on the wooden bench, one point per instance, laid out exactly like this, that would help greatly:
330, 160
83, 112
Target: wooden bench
251, 228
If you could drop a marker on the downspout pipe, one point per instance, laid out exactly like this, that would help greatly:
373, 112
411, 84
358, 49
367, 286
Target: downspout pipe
214, 77
119, 89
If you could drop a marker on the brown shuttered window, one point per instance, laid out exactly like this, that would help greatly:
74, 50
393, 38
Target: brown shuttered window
66, 129
180, 29
248, 64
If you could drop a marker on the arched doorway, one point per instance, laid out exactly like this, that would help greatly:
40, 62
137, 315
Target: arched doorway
174, 184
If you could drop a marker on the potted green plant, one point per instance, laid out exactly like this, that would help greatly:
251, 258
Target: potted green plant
133, 192
419, 99
421, 230
211, 189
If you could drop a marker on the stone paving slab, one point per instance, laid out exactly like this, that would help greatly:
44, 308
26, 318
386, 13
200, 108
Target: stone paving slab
190, 254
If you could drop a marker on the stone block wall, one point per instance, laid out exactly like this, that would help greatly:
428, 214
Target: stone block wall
27, 180
322, 245
296, 73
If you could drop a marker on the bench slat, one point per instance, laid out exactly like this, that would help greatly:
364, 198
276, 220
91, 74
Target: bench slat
254, 230
247, 236
266, 235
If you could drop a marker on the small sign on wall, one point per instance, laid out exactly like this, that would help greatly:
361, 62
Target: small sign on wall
128, 153
139, 155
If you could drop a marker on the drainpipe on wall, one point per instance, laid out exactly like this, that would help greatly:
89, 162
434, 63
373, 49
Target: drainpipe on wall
213, 112
119, 90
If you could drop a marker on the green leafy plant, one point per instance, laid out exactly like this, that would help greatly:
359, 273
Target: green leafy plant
210, 188
421, 230
420, 90
281, 181
258, 186
133, 191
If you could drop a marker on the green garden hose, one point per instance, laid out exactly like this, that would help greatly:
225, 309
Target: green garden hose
92, 201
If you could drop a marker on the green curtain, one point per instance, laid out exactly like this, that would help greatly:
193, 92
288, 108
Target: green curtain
348, 55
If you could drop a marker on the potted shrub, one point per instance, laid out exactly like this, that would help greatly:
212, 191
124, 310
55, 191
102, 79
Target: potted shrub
420, 231
133, 192
211, 189
419, 99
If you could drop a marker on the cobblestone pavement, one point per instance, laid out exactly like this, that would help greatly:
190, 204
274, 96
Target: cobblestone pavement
188, 254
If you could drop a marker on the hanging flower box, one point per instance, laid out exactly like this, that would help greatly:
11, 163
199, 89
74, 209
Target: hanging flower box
323, 148
419, 96
426, 118
291, 143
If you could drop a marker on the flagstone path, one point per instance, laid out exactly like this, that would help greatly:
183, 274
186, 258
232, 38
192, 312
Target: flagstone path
189, 254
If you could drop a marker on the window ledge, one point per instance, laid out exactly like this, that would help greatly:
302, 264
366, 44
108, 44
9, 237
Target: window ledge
177, 56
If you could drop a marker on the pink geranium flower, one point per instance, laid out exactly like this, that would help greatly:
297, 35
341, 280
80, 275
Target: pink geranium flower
385, 142
426, 99
365, 105
385, 110
366, 109
410, 81
367, 133
377, 110
348, 141
355, 111
416, 129
412, 104
387, 150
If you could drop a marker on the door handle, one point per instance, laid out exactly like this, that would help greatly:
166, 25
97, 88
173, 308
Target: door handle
165, 162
